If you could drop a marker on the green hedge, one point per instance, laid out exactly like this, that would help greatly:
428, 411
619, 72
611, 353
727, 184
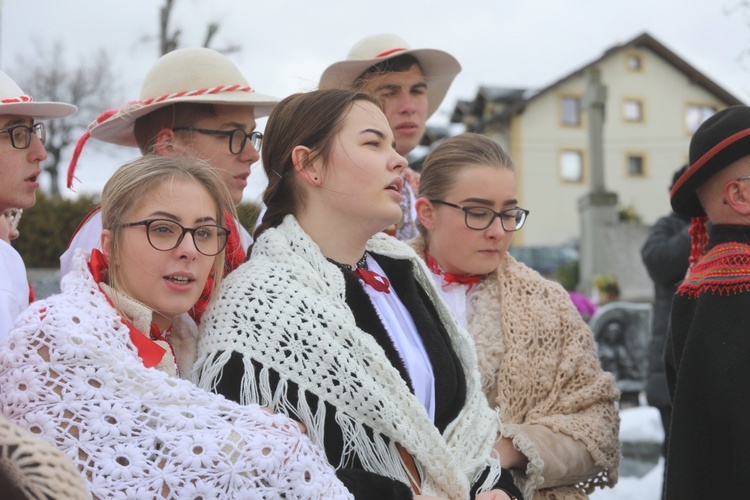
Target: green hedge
47, 227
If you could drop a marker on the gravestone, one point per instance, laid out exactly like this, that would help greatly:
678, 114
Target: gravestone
622, 331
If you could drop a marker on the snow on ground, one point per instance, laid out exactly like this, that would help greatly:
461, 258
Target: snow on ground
647, 487
641, 424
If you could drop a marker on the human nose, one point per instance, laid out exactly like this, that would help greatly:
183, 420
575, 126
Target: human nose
249, 154
187, 249
398, 162
406, 103
36, 150
495, 230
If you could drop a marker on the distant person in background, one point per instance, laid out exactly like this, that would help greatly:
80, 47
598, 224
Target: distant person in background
9, 224
665, 254
192, 101
537, 360
21, 153
708, 343
410, 85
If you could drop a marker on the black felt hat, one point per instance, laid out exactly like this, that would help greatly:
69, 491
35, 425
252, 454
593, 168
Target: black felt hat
720, 141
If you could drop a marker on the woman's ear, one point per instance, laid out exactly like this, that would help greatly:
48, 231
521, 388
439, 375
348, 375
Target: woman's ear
306, 168
106, 241
425, 213
164, 144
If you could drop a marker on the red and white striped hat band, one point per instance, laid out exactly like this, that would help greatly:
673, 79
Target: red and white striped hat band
14, 101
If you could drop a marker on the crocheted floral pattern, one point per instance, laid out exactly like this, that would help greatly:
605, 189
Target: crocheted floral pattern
71, 375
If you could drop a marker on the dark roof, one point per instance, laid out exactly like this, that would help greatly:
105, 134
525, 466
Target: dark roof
647, 41
487, 93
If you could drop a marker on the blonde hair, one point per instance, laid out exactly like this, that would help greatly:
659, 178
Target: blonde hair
135, 180
442, 165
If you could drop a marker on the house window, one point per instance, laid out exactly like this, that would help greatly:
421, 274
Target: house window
635, 63
636, 165
632, 110
571, 165
570, 108
695, 114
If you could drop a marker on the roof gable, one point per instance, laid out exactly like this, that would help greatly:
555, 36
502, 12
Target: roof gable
641, 41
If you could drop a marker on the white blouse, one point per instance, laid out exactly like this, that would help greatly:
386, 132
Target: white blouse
403, 333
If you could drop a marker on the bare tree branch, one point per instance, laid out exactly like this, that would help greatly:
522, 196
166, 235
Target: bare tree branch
169, 41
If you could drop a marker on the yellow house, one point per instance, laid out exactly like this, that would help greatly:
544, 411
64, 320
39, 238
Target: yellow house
655, 101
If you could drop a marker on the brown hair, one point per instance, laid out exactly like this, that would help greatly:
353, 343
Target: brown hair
443, 164
181, 114
312, 120
135, 180
397, 64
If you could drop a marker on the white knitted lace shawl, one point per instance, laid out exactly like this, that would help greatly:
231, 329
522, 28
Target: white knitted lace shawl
288, 297
70, 375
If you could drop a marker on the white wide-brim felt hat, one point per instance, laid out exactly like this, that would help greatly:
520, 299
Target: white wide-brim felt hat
191, 75
439, 67
13, 101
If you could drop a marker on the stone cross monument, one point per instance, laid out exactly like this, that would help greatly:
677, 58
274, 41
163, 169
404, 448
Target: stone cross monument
598, 207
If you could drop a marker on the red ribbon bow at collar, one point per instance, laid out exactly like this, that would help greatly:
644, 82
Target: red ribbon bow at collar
377, 282
462, 279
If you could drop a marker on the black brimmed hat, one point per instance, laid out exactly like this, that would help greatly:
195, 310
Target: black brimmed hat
720, 141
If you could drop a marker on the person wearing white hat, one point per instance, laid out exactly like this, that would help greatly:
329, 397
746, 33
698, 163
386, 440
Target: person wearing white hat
21, 153
409, 83
194, 101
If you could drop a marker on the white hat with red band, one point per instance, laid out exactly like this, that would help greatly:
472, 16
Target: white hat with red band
439, 68
192, 75
13, 101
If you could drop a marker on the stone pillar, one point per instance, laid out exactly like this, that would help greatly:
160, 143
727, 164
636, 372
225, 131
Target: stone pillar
598, 207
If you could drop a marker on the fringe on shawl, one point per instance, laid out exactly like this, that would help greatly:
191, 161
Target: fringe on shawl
533, 478
375, 453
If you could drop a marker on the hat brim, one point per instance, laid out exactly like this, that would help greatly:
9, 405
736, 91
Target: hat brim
684, 197
39, 110
439, 68
118, 129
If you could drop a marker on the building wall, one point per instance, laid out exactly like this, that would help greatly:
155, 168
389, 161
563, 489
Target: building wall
662, 138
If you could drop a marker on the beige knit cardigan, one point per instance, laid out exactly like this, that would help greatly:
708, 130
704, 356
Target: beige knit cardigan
538, 364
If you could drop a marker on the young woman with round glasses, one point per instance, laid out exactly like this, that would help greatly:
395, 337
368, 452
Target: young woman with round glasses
537, 359
97, 369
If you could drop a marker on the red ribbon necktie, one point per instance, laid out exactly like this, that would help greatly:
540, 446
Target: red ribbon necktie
462, 279
377, 282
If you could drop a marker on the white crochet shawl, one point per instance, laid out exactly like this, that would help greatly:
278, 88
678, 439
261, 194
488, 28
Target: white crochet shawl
285, 309
70, 375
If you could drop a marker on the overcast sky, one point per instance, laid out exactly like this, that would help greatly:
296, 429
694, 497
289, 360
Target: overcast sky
286, 44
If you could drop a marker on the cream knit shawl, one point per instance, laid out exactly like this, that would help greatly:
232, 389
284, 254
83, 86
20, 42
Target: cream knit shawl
285, 309
538, 365
70, 375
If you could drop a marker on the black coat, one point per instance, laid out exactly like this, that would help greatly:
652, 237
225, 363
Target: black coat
708, 372
665, 255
